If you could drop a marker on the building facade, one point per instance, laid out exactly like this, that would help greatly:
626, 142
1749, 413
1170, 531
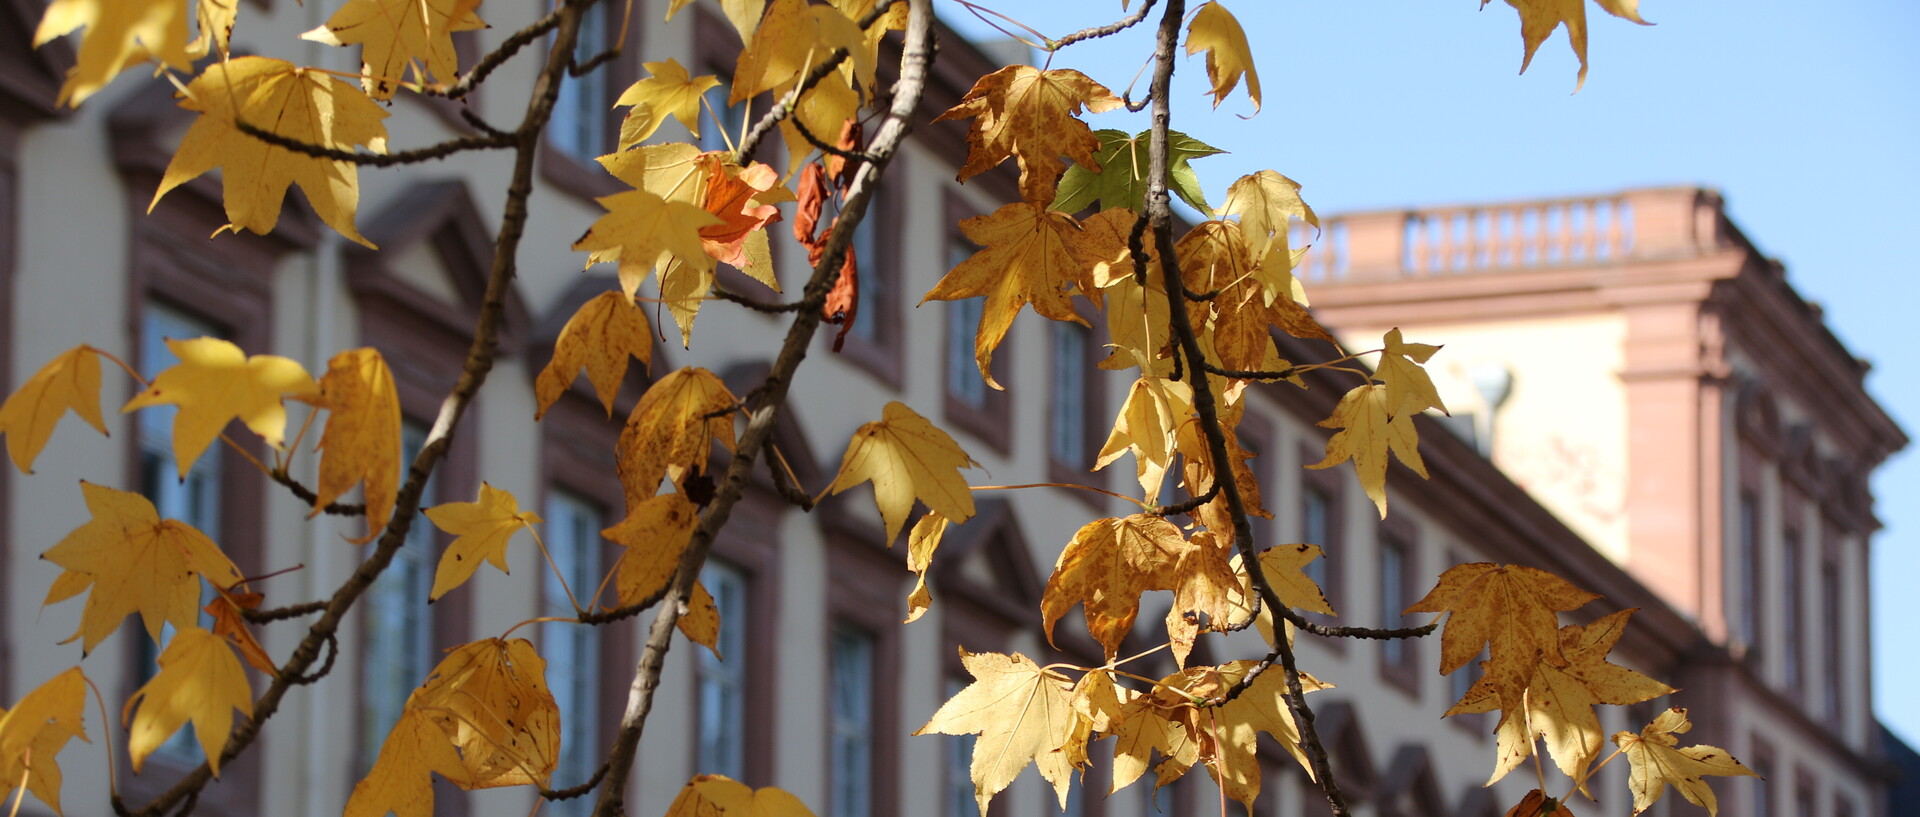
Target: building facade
1699, 452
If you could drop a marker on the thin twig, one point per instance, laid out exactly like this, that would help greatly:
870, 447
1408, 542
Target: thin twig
1190, 505
307, 495
499, 56
333, 651
757, 306
1250, 374
1107, 30
282, 613
577, 791
831, 150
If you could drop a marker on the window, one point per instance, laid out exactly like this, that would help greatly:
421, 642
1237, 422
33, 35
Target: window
1068, 398
1316, 527
1759, 794
397, 644
1321, 524
1397, 657
875, 340
1792, 613
194, 500
970, 404
958, 784
1833, 620
964, 383
722, 684
1746, 567
582, 126
850, 728
572, 651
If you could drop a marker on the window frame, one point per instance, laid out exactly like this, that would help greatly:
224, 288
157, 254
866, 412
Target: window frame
1327, 483
1093, 406
1397, 536
884, 356
867, 596
583, 177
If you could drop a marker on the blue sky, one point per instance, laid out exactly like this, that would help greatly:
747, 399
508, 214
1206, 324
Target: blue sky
1806, 116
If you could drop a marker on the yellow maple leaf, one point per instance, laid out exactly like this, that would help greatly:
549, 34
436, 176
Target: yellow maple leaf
1155, 408
672, 429
1409, 388
70, 382
655, 532
199, 680
401, 780
215, 383
600, 336
1030, 114
361, 442
1161, 721
33, 732
793, 37
1020, 711
669, 91
1031, 256
122, 33
1284, 567
907, 458
1215, 31
401, 40
1557, 702
1266, 204
701, 622
481, 530
297, 103
1368, 430
644, 231
490, 698
1232, 737
134, 561
922, 541
1106, 566
1538, 19
1656, 763
1509, 609
713, 795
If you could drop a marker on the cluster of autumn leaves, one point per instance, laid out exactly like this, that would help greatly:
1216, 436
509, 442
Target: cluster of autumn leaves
484, 718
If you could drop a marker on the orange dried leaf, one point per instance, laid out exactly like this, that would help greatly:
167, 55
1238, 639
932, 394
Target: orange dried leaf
1030, 114
134, 562
199, 680
907, 458
227, 610
70, 382
602, 334
34, 731
361, 442
481, 530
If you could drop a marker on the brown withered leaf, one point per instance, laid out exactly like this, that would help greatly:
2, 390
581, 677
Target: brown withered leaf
1110, 562
1030, 114
1537, 804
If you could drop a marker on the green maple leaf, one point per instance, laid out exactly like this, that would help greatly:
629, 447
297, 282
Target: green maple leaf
1121, 181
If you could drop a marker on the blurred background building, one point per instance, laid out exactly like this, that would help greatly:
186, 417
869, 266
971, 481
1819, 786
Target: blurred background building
1642, 405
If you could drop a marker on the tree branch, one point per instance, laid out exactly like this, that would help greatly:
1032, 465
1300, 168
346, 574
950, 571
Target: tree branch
479, 362
1107, 30
915, 56
442, 150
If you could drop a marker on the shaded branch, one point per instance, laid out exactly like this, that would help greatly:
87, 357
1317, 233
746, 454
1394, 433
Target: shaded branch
576, 791
1190, 505
305, 494
1249, 374
784, 108
757, 306
442, 150
283, 613
499, 56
